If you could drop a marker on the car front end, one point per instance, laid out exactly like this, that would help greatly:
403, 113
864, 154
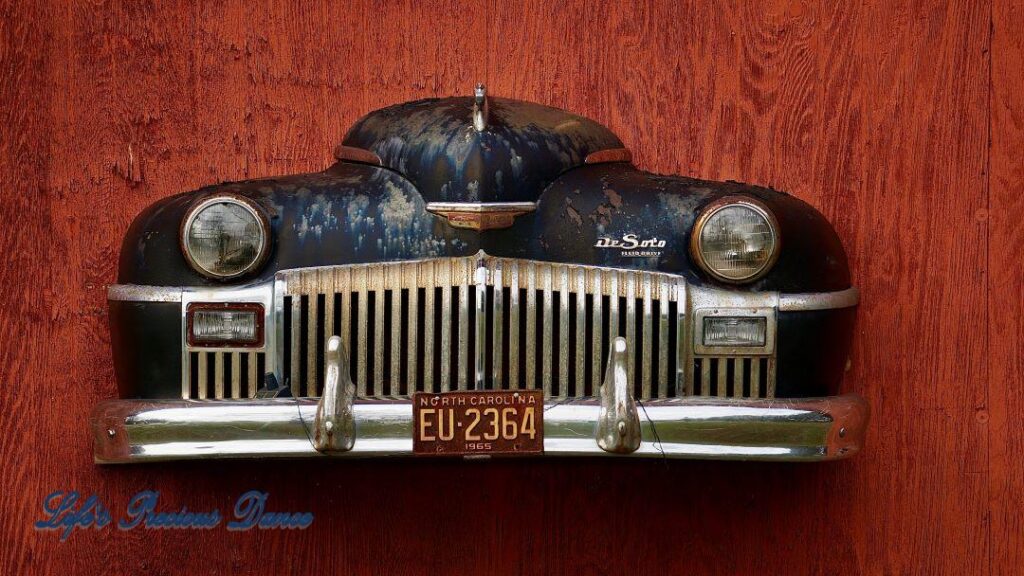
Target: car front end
500, 250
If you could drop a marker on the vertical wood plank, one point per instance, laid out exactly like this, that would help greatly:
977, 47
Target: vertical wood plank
1001, 414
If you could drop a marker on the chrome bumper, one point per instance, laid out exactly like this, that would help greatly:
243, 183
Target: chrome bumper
793, 430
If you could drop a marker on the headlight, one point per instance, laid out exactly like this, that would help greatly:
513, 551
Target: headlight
735, 240
225, 237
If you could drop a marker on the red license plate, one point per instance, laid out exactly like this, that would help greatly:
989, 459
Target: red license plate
478, 423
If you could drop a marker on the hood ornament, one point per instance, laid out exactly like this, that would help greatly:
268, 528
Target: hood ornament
480, 108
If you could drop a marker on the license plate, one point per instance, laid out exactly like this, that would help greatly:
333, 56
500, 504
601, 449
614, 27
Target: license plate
478, 423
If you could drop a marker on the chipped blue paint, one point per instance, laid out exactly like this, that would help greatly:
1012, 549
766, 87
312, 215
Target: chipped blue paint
435, 147
355, 213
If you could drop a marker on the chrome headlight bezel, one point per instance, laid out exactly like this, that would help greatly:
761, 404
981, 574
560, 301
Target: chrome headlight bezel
263, 249
696, 248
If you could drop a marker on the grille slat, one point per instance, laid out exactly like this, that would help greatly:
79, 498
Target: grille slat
497, 314
737, 377
513, 327
218, 375
428, 324
251, 381
705, 379
476, 371
581, 331
379, 282
647, 347
531, 326
596, 328
412, 327
683, 380
444, 280
236, 375
663, 342
296, 351
722, 375
563, 331
547, 323
449, 324
631, 327
202, 375
343, 277
362, 312
395, 305
311, 344
463, 361
755, 379
614, 330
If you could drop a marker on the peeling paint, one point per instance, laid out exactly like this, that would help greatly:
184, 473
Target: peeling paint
434, 145
678, 207
318, 216
402, 223
573, 214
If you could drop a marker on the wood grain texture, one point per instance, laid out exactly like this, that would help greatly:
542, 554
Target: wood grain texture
1006, 289
877, 113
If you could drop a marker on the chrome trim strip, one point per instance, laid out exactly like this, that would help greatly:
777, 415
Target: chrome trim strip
819, 300
127, 431
481, 206
786, 302
140, 293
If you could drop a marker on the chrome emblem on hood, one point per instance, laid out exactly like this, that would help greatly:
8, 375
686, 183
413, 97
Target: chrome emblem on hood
481, 215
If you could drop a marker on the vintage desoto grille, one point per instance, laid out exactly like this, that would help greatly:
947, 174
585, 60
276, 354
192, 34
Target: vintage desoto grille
490, 323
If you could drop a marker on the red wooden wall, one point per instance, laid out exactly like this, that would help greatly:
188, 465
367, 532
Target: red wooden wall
903, 122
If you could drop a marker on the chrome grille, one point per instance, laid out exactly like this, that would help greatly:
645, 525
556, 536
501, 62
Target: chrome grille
224, 374
483, 322
462, 323
733, 376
